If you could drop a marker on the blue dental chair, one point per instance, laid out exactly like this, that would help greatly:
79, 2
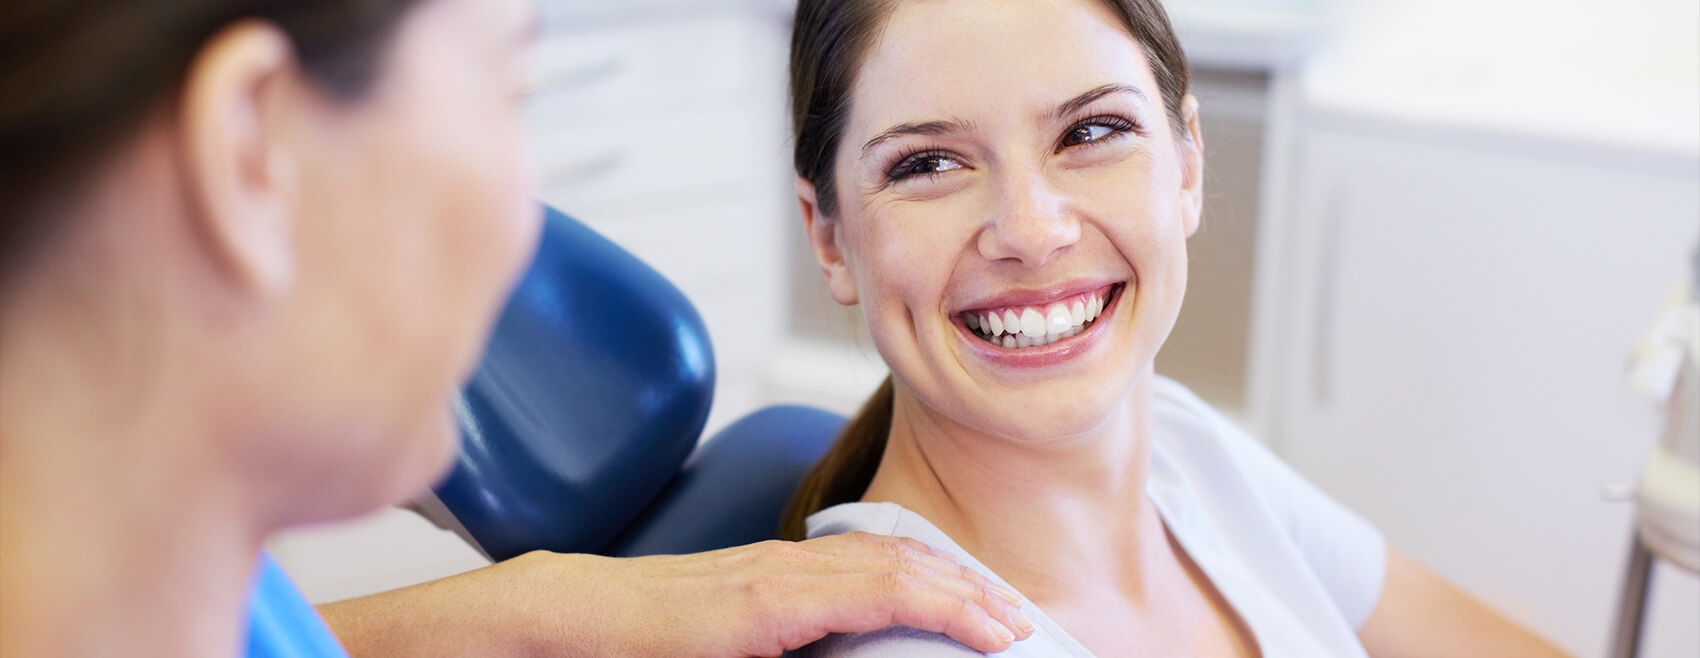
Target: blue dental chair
580, 426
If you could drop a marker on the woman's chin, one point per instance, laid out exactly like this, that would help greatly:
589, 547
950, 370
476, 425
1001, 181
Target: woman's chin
433, 454
1044, 413
416, 459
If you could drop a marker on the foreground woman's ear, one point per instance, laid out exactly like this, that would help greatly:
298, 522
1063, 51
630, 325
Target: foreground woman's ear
236, 166
1191, 150
823, 237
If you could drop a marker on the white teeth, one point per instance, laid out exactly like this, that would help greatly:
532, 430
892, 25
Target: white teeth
1033, 327
1057, 319
1032, 324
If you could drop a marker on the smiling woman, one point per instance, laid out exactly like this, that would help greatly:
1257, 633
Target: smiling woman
912, 161
1015, 229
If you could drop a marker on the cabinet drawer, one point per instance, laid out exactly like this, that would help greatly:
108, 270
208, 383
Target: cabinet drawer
701, 249
596, 161
633, 65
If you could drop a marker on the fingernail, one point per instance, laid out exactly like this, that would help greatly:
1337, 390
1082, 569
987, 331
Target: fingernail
1007, 594
1022, 623
999, 630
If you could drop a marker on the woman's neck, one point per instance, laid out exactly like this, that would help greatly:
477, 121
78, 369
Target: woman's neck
1051, 517
119, 534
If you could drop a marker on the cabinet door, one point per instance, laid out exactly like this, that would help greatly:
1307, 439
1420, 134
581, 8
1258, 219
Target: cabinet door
1455, 360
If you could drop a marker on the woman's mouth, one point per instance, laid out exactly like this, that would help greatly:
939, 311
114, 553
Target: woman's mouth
1027, 326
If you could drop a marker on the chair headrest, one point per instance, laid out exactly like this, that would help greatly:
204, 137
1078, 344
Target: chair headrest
593, 390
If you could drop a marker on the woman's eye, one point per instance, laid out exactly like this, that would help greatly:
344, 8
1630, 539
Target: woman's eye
1093, 130
1084, 134
920, 165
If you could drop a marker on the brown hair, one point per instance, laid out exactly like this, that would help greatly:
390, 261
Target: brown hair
828, 40
77, 76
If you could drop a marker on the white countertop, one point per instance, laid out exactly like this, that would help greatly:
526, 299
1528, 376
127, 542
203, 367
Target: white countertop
1238, 34
1252, 34
1623, 76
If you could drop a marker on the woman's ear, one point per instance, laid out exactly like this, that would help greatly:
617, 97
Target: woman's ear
823, 237
1191, 149
237, 163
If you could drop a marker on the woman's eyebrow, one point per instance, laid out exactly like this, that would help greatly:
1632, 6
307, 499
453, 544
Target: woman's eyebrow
1075, 104
923, 128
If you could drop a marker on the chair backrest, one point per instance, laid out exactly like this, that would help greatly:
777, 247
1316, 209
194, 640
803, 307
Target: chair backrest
593, 391
737, 485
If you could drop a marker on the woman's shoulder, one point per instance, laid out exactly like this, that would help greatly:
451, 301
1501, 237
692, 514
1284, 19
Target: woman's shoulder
1048, 640
1200, 454
1235, 491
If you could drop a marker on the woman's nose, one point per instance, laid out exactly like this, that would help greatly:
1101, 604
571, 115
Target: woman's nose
1031, 223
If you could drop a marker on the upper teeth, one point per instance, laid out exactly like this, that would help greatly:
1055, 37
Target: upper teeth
1024, 326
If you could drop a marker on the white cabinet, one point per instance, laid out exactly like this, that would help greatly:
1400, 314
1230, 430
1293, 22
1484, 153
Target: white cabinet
1455, 332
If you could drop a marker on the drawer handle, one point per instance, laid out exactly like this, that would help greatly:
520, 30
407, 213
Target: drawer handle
577, 78
1322, 331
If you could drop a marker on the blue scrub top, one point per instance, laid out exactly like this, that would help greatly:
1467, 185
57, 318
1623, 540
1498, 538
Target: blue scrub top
280, 622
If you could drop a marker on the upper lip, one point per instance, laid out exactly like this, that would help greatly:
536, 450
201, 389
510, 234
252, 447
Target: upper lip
1036, 297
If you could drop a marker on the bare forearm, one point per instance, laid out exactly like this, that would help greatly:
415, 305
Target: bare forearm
1421, 614
476, 613
760, 600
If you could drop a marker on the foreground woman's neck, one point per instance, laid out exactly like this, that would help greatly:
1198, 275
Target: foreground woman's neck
1050, 517
87, 575
116, 537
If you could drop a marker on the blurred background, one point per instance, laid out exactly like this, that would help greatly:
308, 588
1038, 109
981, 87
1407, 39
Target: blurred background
1434, 231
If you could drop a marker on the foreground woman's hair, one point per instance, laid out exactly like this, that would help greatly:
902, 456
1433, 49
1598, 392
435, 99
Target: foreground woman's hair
77, 76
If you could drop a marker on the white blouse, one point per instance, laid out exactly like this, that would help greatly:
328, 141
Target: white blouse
1299, 568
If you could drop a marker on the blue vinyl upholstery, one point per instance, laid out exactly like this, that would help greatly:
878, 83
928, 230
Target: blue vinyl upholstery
734, 489
593, 391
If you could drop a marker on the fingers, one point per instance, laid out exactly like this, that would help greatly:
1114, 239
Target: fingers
887, 598
918, 559
903, 581
851, 543
1002, 603
997, 601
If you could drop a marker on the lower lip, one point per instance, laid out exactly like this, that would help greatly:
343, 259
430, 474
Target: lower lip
1045, 355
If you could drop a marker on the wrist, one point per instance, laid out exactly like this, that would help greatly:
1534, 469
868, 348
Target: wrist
549, 605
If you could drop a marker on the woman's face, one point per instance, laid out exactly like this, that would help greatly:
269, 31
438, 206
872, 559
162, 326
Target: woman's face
415, 213
1007, 167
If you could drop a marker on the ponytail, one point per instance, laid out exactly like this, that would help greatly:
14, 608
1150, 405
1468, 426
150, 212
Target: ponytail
843, 475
